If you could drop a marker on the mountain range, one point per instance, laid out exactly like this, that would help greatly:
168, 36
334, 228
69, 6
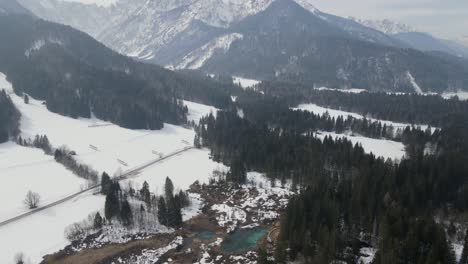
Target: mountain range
282, 40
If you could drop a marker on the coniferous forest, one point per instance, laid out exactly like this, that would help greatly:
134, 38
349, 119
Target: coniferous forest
347, 198
9, 118
407, 108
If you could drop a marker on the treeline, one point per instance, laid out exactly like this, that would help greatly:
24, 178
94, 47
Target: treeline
67, 159
405, 108
351, 199
150, 209
9, 118
275, 111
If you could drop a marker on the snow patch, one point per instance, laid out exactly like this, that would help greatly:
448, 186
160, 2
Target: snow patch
244, 82
462, 95
100, 3
197, 111
337, 113
368, 255
413, 82
379, 147
38, 44
197, 58
353, 90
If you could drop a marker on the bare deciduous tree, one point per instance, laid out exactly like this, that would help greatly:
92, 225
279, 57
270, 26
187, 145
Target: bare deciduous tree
32, 200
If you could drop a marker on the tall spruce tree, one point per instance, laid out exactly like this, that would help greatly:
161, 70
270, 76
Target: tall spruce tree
162, 211
106, 183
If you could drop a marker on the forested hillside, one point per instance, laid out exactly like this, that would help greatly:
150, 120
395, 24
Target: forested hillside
408, 108
9, 118
77, 76
350, 199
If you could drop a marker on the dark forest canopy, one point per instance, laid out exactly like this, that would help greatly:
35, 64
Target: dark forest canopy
346, 192
407, 108
9, 118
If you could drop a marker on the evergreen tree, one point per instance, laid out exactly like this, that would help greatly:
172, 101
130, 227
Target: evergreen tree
168, 189
145, 195
112, 204
106, 183
126, 215
98, 221
162, 211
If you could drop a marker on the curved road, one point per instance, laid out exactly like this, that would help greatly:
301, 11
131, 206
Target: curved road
68, 198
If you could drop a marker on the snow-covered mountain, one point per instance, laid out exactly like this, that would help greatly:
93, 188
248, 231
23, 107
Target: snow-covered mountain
166, 32
385, 25
284, 39
414, 38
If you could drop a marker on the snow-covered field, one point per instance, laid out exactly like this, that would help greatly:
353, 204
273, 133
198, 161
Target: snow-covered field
23, 169
336, 113
103, 146
462, 95
184, 170
379, 147
352, 90
43, 232
197, 111
245, 83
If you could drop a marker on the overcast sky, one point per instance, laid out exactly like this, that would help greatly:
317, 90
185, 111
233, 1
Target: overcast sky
443, 18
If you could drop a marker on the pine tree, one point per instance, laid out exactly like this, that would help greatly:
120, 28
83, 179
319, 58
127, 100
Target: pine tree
98, 221
112, 204
168, 189
126, 215
145, 195
106, 183
162, 211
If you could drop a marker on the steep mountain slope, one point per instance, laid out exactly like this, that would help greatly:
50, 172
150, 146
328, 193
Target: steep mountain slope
164, 32
78, 76
426, 42
287, 43
386, 26
415, 39
12, 7
267, 39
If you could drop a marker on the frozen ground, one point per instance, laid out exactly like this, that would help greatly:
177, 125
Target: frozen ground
25, 236
462, 95
379, 147
245, 83
197, 111
23, 169
43, 233
183, 170
102, 145
336, 113
105, 147
352, 90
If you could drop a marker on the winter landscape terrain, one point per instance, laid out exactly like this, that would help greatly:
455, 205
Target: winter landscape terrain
233, 131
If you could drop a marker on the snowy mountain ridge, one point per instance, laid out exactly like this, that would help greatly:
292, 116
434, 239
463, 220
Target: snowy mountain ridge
147, 29
385, 25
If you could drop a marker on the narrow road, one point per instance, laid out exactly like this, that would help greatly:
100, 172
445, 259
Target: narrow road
124, 176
